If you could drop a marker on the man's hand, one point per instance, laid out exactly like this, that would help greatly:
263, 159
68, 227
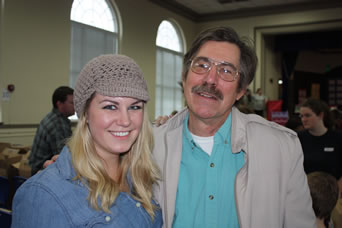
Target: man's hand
160, 120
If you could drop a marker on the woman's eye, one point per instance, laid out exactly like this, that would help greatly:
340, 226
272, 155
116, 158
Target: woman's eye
135, 107
110, 107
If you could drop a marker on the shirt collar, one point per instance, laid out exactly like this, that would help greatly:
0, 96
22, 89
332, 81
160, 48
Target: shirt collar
58, 113
221, 136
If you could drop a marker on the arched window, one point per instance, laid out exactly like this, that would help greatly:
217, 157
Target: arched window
94, 31
169, 69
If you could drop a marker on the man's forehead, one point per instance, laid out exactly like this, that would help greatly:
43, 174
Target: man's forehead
220, 51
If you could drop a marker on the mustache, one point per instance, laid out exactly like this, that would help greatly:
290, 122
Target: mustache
206, 88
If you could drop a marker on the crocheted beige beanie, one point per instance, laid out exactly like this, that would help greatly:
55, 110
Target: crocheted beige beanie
109, 75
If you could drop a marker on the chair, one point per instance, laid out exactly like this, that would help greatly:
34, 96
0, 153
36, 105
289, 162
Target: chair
17, 181
4, 191
5, 218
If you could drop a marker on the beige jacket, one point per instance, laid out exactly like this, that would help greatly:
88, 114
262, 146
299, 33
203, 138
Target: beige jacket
271, 189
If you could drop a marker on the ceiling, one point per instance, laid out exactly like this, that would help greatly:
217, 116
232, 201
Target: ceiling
208, 10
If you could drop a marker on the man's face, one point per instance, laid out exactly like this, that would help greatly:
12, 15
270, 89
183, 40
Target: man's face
207, 95
67, 107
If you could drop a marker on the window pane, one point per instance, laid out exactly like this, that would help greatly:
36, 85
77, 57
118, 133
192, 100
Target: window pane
96, 13
167, 37
169, 70
86, 43
168, 91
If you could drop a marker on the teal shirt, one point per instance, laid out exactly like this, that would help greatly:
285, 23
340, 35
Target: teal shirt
205, 193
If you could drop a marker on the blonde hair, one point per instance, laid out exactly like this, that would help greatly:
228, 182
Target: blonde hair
137, 163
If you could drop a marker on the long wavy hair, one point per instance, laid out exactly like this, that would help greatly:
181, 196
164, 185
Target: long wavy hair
137, 163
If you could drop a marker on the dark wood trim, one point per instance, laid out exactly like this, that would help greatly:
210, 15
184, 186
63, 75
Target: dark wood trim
246, 12
16, 126
13, 126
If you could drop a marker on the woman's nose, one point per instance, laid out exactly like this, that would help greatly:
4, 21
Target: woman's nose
124, 118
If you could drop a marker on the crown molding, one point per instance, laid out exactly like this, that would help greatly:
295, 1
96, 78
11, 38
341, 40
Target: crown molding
245, 12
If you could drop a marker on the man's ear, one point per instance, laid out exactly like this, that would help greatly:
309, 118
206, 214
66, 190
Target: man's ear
240, 94
59, 105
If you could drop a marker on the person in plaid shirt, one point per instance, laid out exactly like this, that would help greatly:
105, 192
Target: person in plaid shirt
53, 130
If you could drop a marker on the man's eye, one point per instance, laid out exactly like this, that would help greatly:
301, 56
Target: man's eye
110, 107
203, 65
226, 70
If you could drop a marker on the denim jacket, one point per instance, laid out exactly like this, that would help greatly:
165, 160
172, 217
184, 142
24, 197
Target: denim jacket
52, 198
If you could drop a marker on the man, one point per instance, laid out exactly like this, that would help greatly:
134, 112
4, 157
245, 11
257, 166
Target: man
54, 129
220, 167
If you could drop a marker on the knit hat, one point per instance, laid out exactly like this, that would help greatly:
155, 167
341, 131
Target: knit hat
109, 75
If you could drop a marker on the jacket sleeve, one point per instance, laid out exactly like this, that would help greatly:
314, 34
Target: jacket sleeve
34, 206
298, 211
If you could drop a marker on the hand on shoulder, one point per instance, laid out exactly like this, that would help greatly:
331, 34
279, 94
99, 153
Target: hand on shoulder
49, 162
160, 120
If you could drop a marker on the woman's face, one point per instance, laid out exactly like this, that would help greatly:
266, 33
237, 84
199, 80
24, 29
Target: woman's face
114, 123
309, 119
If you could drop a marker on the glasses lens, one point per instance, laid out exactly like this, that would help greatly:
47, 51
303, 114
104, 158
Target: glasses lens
226, 71
200, 65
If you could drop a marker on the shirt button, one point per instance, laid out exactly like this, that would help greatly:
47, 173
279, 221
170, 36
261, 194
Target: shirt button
138, 204
107, 218
212, 165
211, 197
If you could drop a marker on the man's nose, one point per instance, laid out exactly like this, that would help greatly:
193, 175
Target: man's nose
212, 75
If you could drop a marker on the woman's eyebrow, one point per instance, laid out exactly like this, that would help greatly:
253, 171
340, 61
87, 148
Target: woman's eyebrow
137, 102
108, 100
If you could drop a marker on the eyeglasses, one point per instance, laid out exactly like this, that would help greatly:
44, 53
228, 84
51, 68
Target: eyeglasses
226, 71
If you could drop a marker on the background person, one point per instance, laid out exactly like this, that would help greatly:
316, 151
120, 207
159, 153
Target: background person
104, 176
322, 146
220, 167
324, 194
259, 102
53, 129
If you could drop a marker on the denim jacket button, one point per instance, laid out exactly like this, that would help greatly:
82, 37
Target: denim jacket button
107, 218
138, 204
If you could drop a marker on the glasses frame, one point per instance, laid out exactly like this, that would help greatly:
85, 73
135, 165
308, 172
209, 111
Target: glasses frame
216, 63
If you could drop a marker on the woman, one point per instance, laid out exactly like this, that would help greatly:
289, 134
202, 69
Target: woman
322, 146
104, 176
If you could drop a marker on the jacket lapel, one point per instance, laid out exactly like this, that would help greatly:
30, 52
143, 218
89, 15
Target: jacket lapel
174, 154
